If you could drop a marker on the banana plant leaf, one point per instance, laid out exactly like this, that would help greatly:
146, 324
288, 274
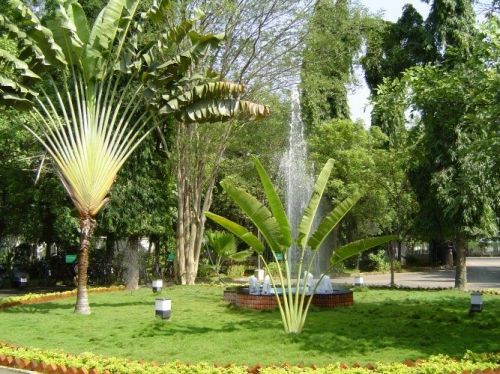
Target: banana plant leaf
356, 247
312, 208
258, 214
35, 32
241, 255
210, 90
106, 25
331, 220
275, 204
215, 110
18, 65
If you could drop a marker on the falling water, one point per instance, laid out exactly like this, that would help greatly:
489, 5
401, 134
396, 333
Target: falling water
298, 180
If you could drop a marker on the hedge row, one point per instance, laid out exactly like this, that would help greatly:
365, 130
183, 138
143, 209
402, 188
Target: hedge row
33, 298
87, 363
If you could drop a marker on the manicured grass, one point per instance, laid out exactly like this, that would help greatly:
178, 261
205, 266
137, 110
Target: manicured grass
383, 325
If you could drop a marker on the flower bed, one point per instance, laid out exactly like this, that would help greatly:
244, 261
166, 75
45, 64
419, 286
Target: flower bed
33, 298
88, 363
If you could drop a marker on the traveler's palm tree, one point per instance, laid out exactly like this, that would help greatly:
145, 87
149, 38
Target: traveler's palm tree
273, 224
94, 94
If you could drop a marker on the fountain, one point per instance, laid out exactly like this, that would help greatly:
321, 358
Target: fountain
298, 181
298, 184
262, 297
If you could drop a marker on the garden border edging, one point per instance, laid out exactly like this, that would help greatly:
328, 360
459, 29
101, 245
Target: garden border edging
46, 297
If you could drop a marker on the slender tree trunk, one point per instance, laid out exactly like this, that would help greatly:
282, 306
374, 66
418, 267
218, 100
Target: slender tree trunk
131, 263
461, 269
392, 255
87, 226
110, 253
180, 258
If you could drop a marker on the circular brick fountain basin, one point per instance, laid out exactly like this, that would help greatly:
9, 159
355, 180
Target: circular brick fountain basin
241, 298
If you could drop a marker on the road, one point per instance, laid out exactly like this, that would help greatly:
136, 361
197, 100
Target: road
482, 273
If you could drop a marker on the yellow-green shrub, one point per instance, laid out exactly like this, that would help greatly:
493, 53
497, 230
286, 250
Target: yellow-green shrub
434, 364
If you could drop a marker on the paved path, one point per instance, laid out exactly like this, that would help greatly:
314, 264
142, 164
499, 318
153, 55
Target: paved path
482, 272
7, 370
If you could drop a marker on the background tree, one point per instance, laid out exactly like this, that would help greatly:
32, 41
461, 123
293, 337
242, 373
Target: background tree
142, 205
394, 48
452, 23
261, 46
30, 192
456, 187
391, 48
362, 158
335, 34
359, 164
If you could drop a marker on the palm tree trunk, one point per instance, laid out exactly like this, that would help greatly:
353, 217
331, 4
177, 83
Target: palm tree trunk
87, 225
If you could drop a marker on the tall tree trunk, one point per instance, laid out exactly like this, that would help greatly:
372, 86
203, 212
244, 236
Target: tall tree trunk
195, 184
87, 226
461, 269
131, 263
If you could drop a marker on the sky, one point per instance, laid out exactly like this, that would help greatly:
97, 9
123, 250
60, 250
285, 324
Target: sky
392, 9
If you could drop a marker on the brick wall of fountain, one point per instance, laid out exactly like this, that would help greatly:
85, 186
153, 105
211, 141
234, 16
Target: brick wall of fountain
239, 297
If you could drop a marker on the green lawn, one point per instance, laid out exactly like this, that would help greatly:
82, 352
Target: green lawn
383, 325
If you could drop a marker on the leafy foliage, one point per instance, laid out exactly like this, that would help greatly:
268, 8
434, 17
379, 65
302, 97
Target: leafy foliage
361, 164
394, 47
459, 184
452, 23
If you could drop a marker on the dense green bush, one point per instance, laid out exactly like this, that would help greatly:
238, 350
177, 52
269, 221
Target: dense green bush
273, 268
236, 270
379, 261
205, 269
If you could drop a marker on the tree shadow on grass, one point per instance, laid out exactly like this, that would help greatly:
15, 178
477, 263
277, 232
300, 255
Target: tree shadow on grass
444, 326
249, 320
415, 328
